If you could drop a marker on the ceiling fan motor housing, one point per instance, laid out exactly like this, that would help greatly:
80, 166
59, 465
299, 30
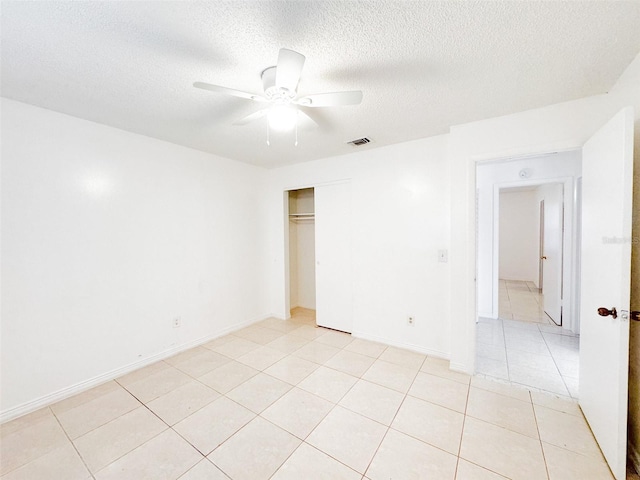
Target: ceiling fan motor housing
273, 92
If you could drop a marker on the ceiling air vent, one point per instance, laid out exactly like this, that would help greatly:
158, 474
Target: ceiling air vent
359, 141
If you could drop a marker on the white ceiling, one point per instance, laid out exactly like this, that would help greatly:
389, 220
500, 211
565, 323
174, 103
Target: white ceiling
423, 66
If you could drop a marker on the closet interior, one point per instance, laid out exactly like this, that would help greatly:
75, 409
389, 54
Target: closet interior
302, 262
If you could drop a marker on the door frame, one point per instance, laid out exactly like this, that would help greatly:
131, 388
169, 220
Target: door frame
285, 232
569, 280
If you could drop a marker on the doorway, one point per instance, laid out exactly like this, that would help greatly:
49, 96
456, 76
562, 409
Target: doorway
319, 254
302, 271
525, 325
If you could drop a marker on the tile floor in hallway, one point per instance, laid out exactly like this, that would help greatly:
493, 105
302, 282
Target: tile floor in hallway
285, 400
524, 346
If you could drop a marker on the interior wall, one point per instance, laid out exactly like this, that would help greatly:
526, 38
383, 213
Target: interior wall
400, 220
519, 236
107, 236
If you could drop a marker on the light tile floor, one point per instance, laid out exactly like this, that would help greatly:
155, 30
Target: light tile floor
284, 400
526, 348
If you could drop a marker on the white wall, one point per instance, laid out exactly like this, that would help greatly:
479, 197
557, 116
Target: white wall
106, 237
519, 236
400, 220
557, 127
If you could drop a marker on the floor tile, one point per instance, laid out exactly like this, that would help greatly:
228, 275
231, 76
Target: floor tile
365, 347
27, 420
203, 362
261, 358
109, 442
566, 465
228, 376
61, 463
182, 402
350, 362
403, 457
444, 392
348, 437
535, 361
298, 412
84, 397
218, 341
289, 343
547, 381
430, 423
493, 352
311, 464
258, 334
205, 470
259, 392
502, 387
566, 431
335, 339
556, 402
292, 369
309, 332
157, 384
96, 412
316, 352
255, 452
34, 440
236, 347
142, 373
328, 384
213, 424
390, 375
469, 471
503, 411
492, 368
277, 324
373, 401
440, 368
402, 357
176, 454
511, 454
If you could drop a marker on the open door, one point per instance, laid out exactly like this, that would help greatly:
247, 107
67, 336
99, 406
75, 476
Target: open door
552, 223
606, 276
334, 300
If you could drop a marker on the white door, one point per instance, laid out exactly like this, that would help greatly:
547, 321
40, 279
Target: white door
607, 171
552, 251
333, 256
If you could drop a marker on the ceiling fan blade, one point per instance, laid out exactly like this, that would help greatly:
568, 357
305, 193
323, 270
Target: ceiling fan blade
289, 68
229, 91
335, 99
251, 118
307, 118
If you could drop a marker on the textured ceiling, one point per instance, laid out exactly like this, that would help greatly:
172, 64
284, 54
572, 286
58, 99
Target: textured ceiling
423, 66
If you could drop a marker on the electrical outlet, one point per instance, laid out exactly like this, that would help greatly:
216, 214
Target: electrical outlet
177, 322
411, 321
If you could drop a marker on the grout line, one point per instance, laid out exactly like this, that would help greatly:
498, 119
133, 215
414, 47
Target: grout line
535, 417
464, 420
71, 442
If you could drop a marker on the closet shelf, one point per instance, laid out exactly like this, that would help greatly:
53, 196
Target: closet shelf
301, 216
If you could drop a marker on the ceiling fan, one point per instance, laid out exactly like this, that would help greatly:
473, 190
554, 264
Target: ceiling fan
280, 84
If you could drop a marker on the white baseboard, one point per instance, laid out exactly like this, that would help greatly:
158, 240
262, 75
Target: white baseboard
408, 346
51, 398
634, 456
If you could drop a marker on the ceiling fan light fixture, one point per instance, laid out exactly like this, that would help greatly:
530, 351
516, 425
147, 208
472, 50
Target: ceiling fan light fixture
282, 117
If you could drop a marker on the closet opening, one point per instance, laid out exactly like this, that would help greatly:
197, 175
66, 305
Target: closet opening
302, 261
